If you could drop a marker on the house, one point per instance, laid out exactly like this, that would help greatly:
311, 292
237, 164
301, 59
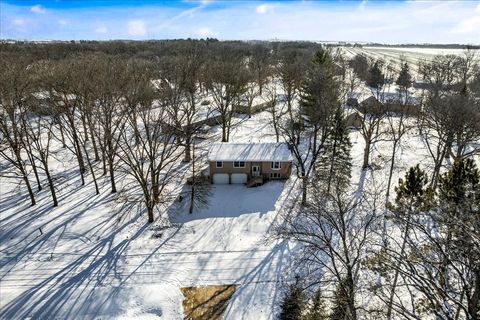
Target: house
250, 163
389, 102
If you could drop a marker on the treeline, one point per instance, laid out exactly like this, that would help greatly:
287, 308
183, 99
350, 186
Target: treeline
149, 49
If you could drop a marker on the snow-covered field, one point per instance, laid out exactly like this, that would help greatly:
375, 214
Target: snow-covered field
395, 55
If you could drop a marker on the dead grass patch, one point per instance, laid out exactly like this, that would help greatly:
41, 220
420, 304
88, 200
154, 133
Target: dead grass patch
206, 302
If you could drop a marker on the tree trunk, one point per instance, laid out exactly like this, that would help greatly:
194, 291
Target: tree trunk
436, 170
78, 153
350, 294
64, 145
224, 132
474, 301
29, 187
395, 277
192, 194
332, 159
366, 154
112, 176
390, 173
150, 211
35, 171
155, 191
229, 125
94, 143
85, 131
81, 165
97, 191
277, 134
188, 157
304, 189
136, 132
50, 185
104, 163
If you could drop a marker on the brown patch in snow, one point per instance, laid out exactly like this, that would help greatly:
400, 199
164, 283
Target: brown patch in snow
206, 302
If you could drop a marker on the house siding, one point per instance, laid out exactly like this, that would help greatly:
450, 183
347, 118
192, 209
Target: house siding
284, 171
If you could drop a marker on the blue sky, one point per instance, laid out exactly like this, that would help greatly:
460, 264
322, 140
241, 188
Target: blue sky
378, 21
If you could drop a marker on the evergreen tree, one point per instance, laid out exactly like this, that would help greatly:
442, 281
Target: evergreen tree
342, 302
460, 183
317, 309
323, 58
319, 99
319, 93
376, 79
412, 193
359, 64
413, 196
458, 218
292, 303
334, 165
404, 79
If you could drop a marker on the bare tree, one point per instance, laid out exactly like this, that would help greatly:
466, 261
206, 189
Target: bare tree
336, 231
181, 80
372, 118
84, 89
14, 90
58, 79
259, 64
275, 109
291, 71
227, 80
149, 158
39, 133
110, 110
199, 192
352, 80
373, 112
251, 92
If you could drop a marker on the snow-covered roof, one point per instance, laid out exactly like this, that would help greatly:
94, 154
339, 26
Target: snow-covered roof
390, 97
41, 95
226, 151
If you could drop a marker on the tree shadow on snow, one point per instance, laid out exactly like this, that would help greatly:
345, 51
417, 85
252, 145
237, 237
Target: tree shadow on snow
83, 284
228, 201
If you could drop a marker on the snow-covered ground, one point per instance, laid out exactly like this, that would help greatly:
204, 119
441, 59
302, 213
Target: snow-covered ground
96, 256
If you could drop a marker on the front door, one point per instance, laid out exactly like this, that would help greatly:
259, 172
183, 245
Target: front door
255, 171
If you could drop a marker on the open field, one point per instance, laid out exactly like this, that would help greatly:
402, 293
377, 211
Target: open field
395, 55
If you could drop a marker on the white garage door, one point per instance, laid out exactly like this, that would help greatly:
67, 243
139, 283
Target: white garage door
239, 178
220, 178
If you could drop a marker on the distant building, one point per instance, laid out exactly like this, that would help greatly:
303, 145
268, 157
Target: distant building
390, 103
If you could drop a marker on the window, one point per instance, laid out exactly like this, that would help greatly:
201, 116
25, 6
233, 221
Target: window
239, 164
275, 165
274, 175
219, 164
